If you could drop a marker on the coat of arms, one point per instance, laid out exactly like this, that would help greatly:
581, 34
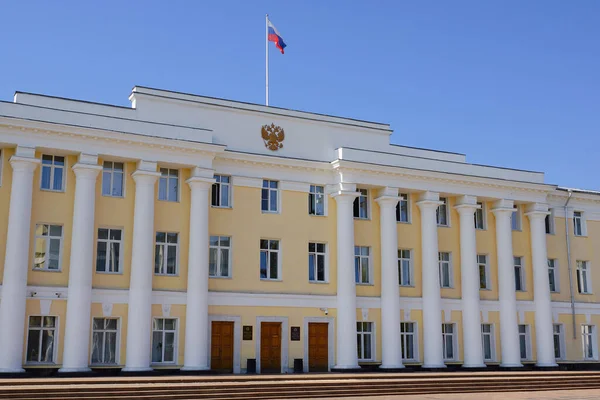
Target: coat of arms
272, 136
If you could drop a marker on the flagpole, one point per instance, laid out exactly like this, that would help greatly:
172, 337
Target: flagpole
267, 58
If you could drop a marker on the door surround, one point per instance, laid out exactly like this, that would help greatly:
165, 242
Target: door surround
237, 338
284, 341
330, 340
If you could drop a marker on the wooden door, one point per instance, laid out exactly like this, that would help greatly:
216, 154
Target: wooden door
221, 352
270, 347
318, 347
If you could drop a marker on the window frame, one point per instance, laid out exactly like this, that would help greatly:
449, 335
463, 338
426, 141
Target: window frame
410, 268
366, 194
483, 211
415, 335
175, 341
549, 223
218, 248
47, 247
446, 207
269, 251
317, 254
582, 225
521, 266
165, 255
111, 171
486, 267
518, 226
587, 271
104, 331
561, 341
108, 241
269, 190
369, 259
450, 269
220, 185
404, 197
52, 167
555, 269
492, 336
593, 341
168, 178
312, 198
454, 336
41, 329
372, 335
527, 336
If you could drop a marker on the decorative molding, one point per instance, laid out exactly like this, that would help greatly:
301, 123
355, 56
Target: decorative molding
295, 186
166, 310
107, 309
45, 307
521, 314
365, 314
247, 182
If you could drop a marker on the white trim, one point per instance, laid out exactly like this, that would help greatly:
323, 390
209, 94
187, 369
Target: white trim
166, 246
408, 207
556, 273
175, 341
455, 352
237, 338
368, 204
246, 181
594, 337
325, 200
218, 248
330, 340
561, 339
326, 261
450, 269
370, 265
488, 282
446, 204
54, 347
492, 335
284, 341
108, 241
527, 341
168, 178
415, 335
117, 344
48, 238
229, 186
294, 186
52, 167
112, 170
373, 335
483, 210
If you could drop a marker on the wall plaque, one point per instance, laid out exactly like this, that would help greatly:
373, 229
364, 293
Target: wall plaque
247, 332
295, 333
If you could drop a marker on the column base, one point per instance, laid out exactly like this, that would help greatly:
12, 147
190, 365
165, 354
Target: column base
474, 366
136, 369
546, 365
511, 365
194, 368
11, 370
431, 366
391, 366
346, 368
72, 370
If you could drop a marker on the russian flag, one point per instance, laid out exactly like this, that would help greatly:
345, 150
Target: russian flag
275, 37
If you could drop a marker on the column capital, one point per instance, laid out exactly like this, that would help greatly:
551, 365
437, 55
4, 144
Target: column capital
198, 182
537, 210
19, 163
344, 195
141, 176
387, 201
86, 171
503, 206
429, 200
466, 204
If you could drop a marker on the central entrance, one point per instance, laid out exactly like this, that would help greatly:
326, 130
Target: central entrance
270, 347
221, 346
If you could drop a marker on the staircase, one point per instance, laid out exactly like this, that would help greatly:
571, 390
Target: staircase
301, 386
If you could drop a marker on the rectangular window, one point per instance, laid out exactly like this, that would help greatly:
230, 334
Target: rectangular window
480, 216
362, 272
361, 204
557, 330
578, 223
219, 258
484, 274
445, 267
408, 341
524, 344
402, 209
519, 274
112, 179
168, 185
553, 275
364, 340
269, 259
448, 341
41, 339
515, 219
166, 253
550, 222
108, 250
269, 196
316, 262
487, 338
588, 342
48, 246
442, 212
584, 283
316, 200
405, 272
221, 191
104, 340
164, 336
53, 173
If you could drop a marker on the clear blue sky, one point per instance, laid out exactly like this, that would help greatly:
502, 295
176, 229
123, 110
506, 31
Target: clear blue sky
513, 83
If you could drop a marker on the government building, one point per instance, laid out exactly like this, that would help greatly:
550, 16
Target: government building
194, 233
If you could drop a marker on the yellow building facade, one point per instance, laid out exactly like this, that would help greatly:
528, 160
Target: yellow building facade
195, 233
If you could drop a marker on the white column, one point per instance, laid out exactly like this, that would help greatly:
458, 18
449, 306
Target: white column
391, 355
509, 330
139, 327
469, 277
544, 336
196, 312
79, 302
432, 314
347, 357
14, 283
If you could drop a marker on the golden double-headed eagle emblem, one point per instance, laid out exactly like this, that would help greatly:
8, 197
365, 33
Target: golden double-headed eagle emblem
272, 135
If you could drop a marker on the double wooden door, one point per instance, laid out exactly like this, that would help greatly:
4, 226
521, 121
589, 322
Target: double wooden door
318, 347
221, 346
270, 347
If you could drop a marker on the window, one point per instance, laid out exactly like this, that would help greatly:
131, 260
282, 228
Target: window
519, 274
48, 245
112, 179
524, 345
164, 333
584, 283
53, 173
166, 253
108, 250
448, 341
442, 212
221, 194
550, 222
588, 342
269, 259
405, 272
316, 200
219, 257
168, 185
362, 273
269, 196
445, 265
553, 275
41, 339
480, 216
361, 204
104, 341
364, 340
408, 341
487, 338
557, 330
515, 219
484, 274
578, 223
402, 209
316, 262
